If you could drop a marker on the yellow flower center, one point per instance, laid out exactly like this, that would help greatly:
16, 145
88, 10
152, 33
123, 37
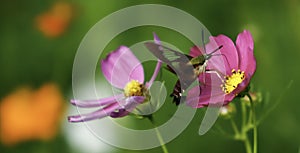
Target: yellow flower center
231, 82
134, 88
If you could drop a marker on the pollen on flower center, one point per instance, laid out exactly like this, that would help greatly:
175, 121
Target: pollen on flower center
231, 82
134, 88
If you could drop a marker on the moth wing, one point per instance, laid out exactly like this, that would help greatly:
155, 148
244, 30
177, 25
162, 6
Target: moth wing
176, 61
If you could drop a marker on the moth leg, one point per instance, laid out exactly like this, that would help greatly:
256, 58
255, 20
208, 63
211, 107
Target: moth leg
213, 72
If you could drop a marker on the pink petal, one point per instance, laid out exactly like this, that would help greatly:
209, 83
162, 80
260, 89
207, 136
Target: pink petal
196, 51
120, 113
121, 66
244, 44
229, 58
193, 97
210, 93
158, 65
155, 73
156, 38
127, 106
94, 115
131, 102
96, 103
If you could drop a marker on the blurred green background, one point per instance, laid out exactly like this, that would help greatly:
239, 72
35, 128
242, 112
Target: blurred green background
32, 57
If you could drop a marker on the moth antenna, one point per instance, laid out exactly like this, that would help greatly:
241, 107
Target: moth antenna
210, 54
223, 56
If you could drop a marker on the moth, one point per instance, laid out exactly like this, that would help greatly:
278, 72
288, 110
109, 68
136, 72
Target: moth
186, 67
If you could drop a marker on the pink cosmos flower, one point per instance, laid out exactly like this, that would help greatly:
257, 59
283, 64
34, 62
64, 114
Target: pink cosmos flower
231, 78
124, 71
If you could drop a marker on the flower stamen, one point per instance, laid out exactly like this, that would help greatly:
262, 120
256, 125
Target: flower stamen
231, 82
134, 88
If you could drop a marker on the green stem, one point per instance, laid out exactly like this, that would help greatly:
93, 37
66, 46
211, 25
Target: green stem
244, 130
244, 115
247, 143
254, 125
250, 117
235, 129
161, 141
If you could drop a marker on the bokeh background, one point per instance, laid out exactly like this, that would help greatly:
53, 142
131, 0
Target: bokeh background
38, 44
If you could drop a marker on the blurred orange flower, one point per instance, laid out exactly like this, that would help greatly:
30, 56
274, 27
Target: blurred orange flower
54, 22
30, 115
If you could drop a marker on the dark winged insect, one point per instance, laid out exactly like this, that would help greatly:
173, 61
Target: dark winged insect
186, 67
